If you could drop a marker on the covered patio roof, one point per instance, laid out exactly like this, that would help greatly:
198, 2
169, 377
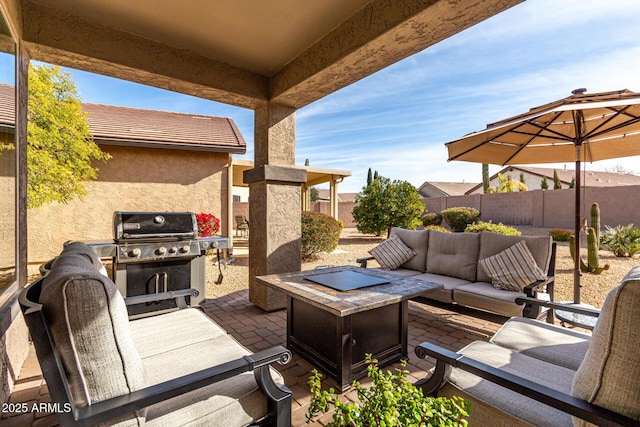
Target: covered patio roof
239, 52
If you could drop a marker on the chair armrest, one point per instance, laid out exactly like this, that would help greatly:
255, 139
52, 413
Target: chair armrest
564, 402
559, 306
363, 261
538, 285
140, 399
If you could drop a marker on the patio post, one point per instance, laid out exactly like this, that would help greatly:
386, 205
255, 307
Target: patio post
275, 195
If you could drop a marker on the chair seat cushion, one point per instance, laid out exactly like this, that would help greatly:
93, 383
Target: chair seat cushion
233, 402
399, 271
511, 403
177, 329
550, 343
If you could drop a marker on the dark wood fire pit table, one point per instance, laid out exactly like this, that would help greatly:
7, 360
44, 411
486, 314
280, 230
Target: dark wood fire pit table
334, 329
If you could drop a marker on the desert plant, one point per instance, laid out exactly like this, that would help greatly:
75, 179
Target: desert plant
557, 184
593, 244
390, 401
320, 233
385, 204
623, 241
459, 218
486, 184
437, 228
544, 185
431, 218
560, 234
499, 228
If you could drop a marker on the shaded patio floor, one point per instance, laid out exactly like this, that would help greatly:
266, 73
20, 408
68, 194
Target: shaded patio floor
449, 327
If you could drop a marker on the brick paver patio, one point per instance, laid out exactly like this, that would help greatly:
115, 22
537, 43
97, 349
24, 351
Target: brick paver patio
255, 329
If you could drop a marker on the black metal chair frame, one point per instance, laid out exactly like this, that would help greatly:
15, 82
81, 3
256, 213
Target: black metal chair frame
446, 360
242, 225
279, 397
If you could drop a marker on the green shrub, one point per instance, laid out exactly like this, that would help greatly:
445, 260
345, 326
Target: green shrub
622, 241
560, 234
459, 218
431, 218
437, 228
320, 233
499, 228
391, 400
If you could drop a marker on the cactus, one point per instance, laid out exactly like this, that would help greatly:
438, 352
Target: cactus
593, 244
595, 221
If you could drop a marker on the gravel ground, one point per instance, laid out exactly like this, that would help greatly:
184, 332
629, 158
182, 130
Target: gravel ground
355, 245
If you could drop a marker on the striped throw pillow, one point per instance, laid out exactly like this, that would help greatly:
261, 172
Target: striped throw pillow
513, 269
392, 253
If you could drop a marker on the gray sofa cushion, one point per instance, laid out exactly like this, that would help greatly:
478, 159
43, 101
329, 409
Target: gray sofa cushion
90, 327
450, 283
609, 376
453, 254
484, 296
514, 406
416, 240
493, 243
550, 343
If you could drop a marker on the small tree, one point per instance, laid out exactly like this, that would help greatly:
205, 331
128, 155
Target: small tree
60, 148
313, 194
509, 185
544, 184
522, 180
572, 184
385, 204
557, 185
369, 178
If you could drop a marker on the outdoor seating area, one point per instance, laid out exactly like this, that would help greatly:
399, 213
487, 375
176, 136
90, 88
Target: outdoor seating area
257, 330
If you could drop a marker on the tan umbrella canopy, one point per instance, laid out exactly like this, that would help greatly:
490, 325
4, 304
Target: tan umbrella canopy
581, 127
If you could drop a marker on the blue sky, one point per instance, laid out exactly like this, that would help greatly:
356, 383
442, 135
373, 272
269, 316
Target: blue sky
397, 120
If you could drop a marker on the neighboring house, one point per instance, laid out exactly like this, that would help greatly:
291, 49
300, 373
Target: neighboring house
533, 177
161, 161
441, 189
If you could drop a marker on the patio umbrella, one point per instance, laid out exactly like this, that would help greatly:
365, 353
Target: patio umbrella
581, 127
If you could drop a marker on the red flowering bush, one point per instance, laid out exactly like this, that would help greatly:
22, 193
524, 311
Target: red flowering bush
208, 224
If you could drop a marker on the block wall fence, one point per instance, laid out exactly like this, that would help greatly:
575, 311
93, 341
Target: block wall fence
537, 208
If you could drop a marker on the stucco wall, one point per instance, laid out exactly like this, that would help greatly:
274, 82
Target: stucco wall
135, 179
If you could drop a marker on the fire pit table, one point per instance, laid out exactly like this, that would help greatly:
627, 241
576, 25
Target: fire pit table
334, 329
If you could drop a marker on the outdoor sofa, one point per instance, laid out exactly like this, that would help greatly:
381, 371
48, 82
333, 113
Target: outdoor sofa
537, 374
177, 368
454, 260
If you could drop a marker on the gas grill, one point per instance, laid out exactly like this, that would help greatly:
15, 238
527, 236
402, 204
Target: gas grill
156, 252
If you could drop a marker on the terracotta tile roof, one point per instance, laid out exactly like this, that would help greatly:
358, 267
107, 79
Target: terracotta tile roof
113, 125
438, 189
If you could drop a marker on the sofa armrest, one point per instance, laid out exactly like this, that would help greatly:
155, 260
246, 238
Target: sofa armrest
559, 306
363, 261
564, 402
140, 399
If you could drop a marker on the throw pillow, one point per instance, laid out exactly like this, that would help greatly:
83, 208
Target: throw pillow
513, 269
391, 253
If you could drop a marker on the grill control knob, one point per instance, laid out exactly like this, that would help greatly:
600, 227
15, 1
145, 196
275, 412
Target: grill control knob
135, 253
173, 249
161, 250
184, 249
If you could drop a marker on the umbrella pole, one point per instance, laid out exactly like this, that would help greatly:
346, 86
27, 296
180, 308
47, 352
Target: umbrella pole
576, 261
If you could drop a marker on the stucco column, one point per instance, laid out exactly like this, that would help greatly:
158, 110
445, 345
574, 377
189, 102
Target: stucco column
274, 208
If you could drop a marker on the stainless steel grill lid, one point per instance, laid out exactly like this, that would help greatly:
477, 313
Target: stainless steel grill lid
154, 225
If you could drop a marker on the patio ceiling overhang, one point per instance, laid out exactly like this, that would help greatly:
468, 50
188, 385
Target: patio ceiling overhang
315, 175
242, 53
